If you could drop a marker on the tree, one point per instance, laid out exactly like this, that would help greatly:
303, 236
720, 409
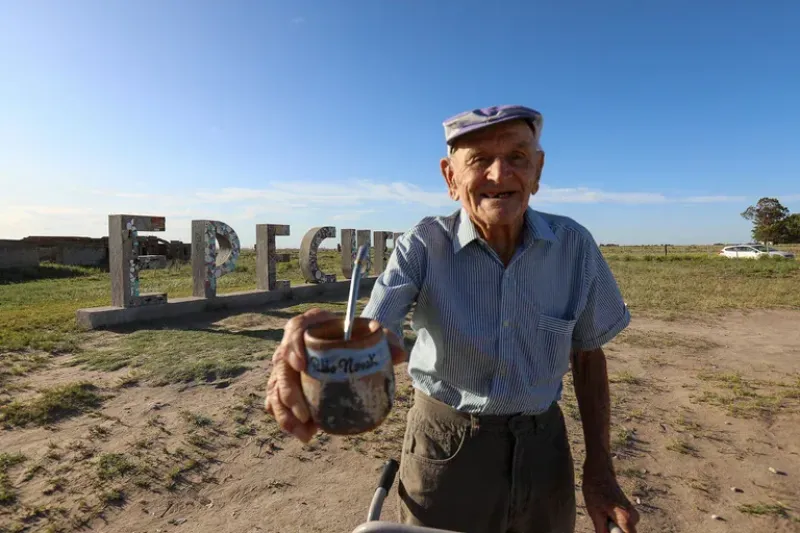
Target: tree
768, 217
790, 229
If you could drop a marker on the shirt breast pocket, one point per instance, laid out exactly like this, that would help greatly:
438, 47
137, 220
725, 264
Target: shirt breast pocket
554, 343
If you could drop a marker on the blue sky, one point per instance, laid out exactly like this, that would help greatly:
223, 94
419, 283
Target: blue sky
663, 119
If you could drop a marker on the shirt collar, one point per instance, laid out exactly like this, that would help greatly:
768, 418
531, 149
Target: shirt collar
536, 228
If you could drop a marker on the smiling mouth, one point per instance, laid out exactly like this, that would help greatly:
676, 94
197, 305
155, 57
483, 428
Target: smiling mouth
498, 195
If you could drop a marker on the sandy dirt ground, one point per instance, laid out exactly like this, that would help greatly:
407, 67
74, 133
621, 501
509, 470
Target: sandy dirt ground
702, 411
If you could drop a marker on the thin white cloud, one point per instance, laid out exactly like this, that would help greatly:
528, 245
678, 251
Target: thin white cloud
348, 193
122, 194
47, 210
281, 194
401, 192
583, 195
298, 20
714, 199
352, 216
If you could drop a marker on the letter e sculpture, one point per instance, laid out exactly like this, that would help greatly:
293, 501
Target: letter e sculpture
124, 261
267, 258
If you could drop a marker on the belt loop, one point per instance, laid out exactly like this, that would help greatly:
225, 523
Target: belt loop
474, 425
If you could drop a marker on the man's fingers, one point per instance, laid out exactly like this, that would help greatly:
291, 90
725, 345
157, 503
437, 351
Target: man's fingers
626, 519
293, 335
312, 316
268, 405
290, 424
286, 420
305, 432
290, 392
270, 392
287, 404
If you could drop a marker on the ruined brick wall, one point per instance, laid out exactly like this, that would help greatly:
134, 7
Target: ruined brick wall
15, 254
80, 251
76, 251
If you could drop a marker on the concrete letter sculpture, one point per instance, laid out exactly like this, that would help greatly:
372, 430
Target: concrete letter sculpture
308, 254
382, 250
267, 258
208, 263
124, 261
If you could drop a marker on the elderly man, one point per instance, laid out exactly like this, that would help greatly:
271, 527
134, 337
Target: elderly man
506, 298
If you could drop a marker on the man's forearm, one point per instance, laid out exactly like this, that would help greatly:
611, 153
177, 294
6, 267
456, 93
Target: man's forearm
590, 378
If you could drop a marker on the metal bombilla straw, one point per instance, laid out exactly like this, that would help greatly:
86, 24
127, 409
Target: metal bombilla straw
358, 270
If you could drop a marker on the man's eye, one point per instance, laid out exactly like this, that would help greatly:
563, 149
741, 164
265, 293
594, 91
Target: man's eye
518, 159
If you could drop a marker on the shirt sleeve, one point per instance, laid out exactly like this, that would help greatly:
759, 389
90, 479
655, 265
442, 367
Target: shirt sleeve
605, 314
397, 287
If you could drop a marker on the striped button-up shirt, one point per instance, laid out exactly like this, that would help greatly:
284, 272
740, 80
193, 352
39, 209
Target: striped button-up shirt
495, 339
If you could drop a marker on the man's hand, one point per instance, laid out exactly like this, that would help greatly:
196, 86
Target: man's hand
605, 500
285, 400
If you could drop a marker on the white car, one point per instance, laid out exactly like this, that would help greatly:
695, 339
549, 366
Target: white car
753, 251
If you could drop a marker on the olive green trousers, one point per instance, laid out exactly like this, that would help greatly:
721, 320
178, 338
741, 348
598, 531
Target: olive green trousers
486, 474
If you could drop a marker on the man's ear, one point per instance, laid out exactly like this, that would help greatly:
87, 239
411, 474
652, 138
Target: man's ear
538, 175
446, 166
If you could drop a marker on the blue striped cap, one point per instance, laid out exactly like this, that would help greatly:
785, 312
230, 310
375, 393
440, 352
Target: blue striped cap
477, 119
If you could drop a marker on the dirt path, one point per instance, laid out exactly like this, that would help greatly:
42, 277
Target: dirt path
699, 407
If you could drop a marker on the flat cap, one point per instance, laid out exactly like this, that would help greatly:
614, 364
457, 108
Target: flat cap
477, 119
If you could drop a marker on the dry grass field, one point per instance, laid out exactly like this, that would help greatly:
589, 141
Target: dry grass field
161, 428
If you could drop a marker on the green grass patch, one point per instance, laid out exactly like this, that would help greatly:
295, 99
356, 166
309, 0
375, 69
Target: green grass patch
663, 340
245, 430
748, 398
625, 377
622, 439
765, 509
179, 355
682, 447
703, 284
177, 473
113, 497
114, 465
52, 405
9, 460
8, 495
197, 419
16, 364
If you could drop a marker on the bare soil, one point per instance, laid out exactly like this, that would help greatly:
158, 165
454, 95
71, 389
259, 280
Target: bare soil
703, 409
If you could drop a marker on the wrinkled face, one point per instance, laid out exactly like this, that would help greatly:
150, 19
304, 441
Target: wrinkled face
493, 173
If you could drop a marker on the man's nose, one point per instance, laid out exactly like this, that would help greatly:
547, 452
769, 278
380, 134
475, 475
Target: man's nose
498, 170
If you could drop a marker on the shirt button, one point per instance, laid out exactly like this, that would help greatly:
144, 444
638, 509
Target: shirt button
506, 323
